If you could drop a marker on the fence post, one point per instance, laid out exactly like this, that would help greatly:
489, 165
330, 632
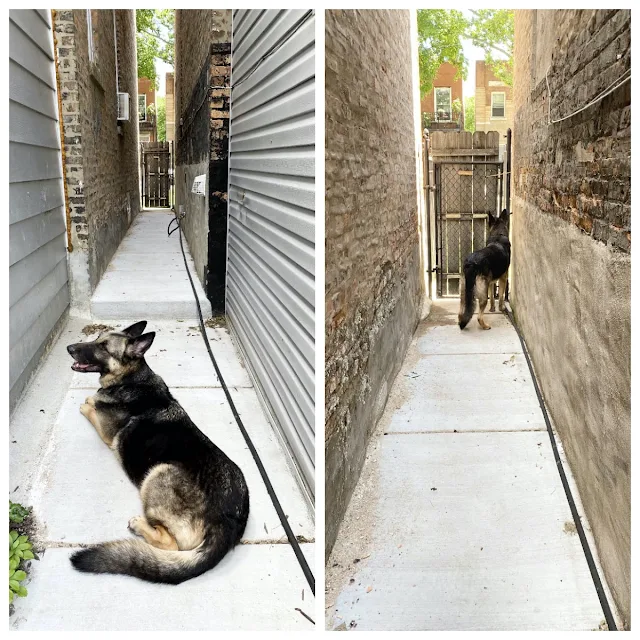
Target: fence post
507, 200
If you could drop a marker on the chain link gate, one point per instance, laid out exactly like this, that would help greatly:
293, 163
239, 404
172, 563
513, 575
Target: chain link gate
465, 194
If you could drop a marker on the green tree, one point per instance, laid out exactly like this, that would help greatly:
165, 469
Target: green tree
154, 39
470, 114
161, 118
440, 36
492, 30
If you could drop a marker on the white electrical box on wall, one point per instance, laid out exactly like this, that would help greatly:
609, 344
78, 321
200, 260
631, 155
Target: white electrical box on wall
199, 185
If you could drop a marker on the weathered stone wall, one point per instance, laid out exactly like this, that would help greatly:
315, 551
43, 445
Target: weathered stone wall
101, 162
203, 65
571, 253
374, 287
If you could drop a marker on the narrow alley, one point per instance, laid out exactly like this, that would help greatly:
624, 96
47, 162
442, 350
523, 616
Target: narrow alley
80, 494
459, 520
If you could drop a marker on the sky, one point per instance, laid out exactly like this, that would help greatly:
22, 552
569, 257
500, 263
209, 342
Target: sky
472, 54
162, 68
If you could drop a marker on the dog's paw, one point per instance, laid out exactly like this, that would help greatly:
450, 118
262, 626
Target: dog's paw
134, 525
90, 400
502, 308
86, 409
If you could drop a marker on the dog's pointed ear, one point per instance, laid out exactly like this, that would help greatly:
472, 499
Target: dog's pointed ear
136, 329
137, 347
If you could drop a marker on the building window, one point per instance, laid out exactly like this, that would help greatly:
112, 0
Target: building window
442, 102
498, 100
142, 108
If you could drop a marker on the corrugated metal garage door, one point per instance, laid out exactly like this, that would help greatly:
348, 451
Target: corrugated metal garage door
39, 293
271, 249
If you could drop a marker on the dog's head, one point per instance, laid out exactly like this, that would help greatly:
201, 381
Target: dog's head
113, 352
499, 225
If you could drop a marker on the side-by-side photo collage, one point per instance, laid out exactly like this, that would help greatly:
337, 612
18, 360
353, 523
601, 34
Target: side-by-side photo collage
319, 295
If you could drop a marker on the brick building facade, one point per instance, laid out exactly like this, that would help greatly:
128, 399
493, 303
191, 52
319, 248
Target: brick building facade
202, 92
147, 121
374, 288
571, 228
170, 107
445, 84
100, 156
494, 102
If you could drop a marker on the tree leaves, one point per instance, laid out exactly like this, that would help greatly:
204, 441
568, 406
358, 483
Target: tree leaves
154, 39
440, 36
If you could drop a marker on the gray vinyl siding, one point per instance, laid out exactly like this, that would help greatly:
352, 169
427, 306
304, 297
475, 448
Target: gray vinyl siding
271, 237
38, 279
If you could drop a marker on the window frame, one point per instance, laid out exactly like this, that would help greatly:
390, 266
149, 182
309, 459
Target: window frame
504, 105
435, 104
142, 95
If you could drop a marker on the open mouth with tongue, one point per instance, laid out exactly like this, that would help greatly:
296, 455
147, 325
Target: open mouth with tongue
85, 368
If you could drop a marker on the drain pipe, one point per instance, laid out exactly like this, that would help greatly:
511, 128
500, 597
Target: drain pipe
67, 206
593, 569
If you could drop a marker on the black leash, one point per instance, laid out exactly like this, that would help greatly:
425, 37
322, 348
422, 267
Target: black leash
602, 596
272, 494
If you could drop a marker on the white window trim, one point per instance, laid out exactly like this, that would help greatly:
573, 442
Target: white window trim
142, 95
90, 43
502, 93
435, 105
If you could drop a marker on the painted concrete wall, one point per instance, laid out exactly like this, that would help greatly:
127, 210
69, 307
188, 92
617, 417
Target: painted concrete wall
571, 254
374, 286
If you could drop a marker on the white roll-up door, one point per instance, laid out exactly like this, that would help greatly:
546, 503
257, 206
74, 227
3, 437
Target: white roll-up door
271, 248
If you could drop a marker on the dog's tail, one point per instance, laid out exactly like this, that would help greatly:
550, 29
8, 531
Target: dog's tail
135, 557
466, 295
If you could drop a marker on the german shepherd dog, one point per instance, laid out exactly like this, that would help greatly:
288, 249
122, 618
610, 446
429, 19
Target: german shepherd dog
482, 268
195, 499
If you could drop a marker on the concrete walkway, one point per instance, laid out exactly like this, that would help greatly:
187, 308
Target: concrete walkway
81, 495
459, 520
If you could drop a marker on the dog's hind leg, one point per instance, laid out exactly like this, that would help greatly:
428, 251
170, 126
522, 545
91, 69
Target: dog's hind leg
502, 286
492, 299
482, 286
173, 502
157, 536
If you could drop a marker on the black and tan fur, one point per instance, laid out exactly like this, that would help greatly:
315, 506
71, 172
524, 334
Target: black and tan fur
482, 269
195, 499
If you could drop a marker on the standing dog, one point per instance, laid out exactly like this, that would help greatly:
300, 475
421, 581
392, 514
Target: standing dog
482, 268
195, 499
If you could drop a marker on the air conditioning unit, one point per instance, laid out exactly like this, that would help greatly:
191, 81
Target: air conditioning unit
123, 106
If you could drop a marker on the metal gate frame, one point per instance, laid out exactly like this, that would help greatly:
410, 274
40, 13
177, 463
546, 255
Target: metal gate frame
156, 185
444, 218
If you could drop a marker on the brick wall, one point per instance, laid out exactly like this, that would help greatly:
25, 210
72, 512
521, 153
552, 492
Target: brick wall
486, 83
571, 253
101, 167
203, 60
373, 286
